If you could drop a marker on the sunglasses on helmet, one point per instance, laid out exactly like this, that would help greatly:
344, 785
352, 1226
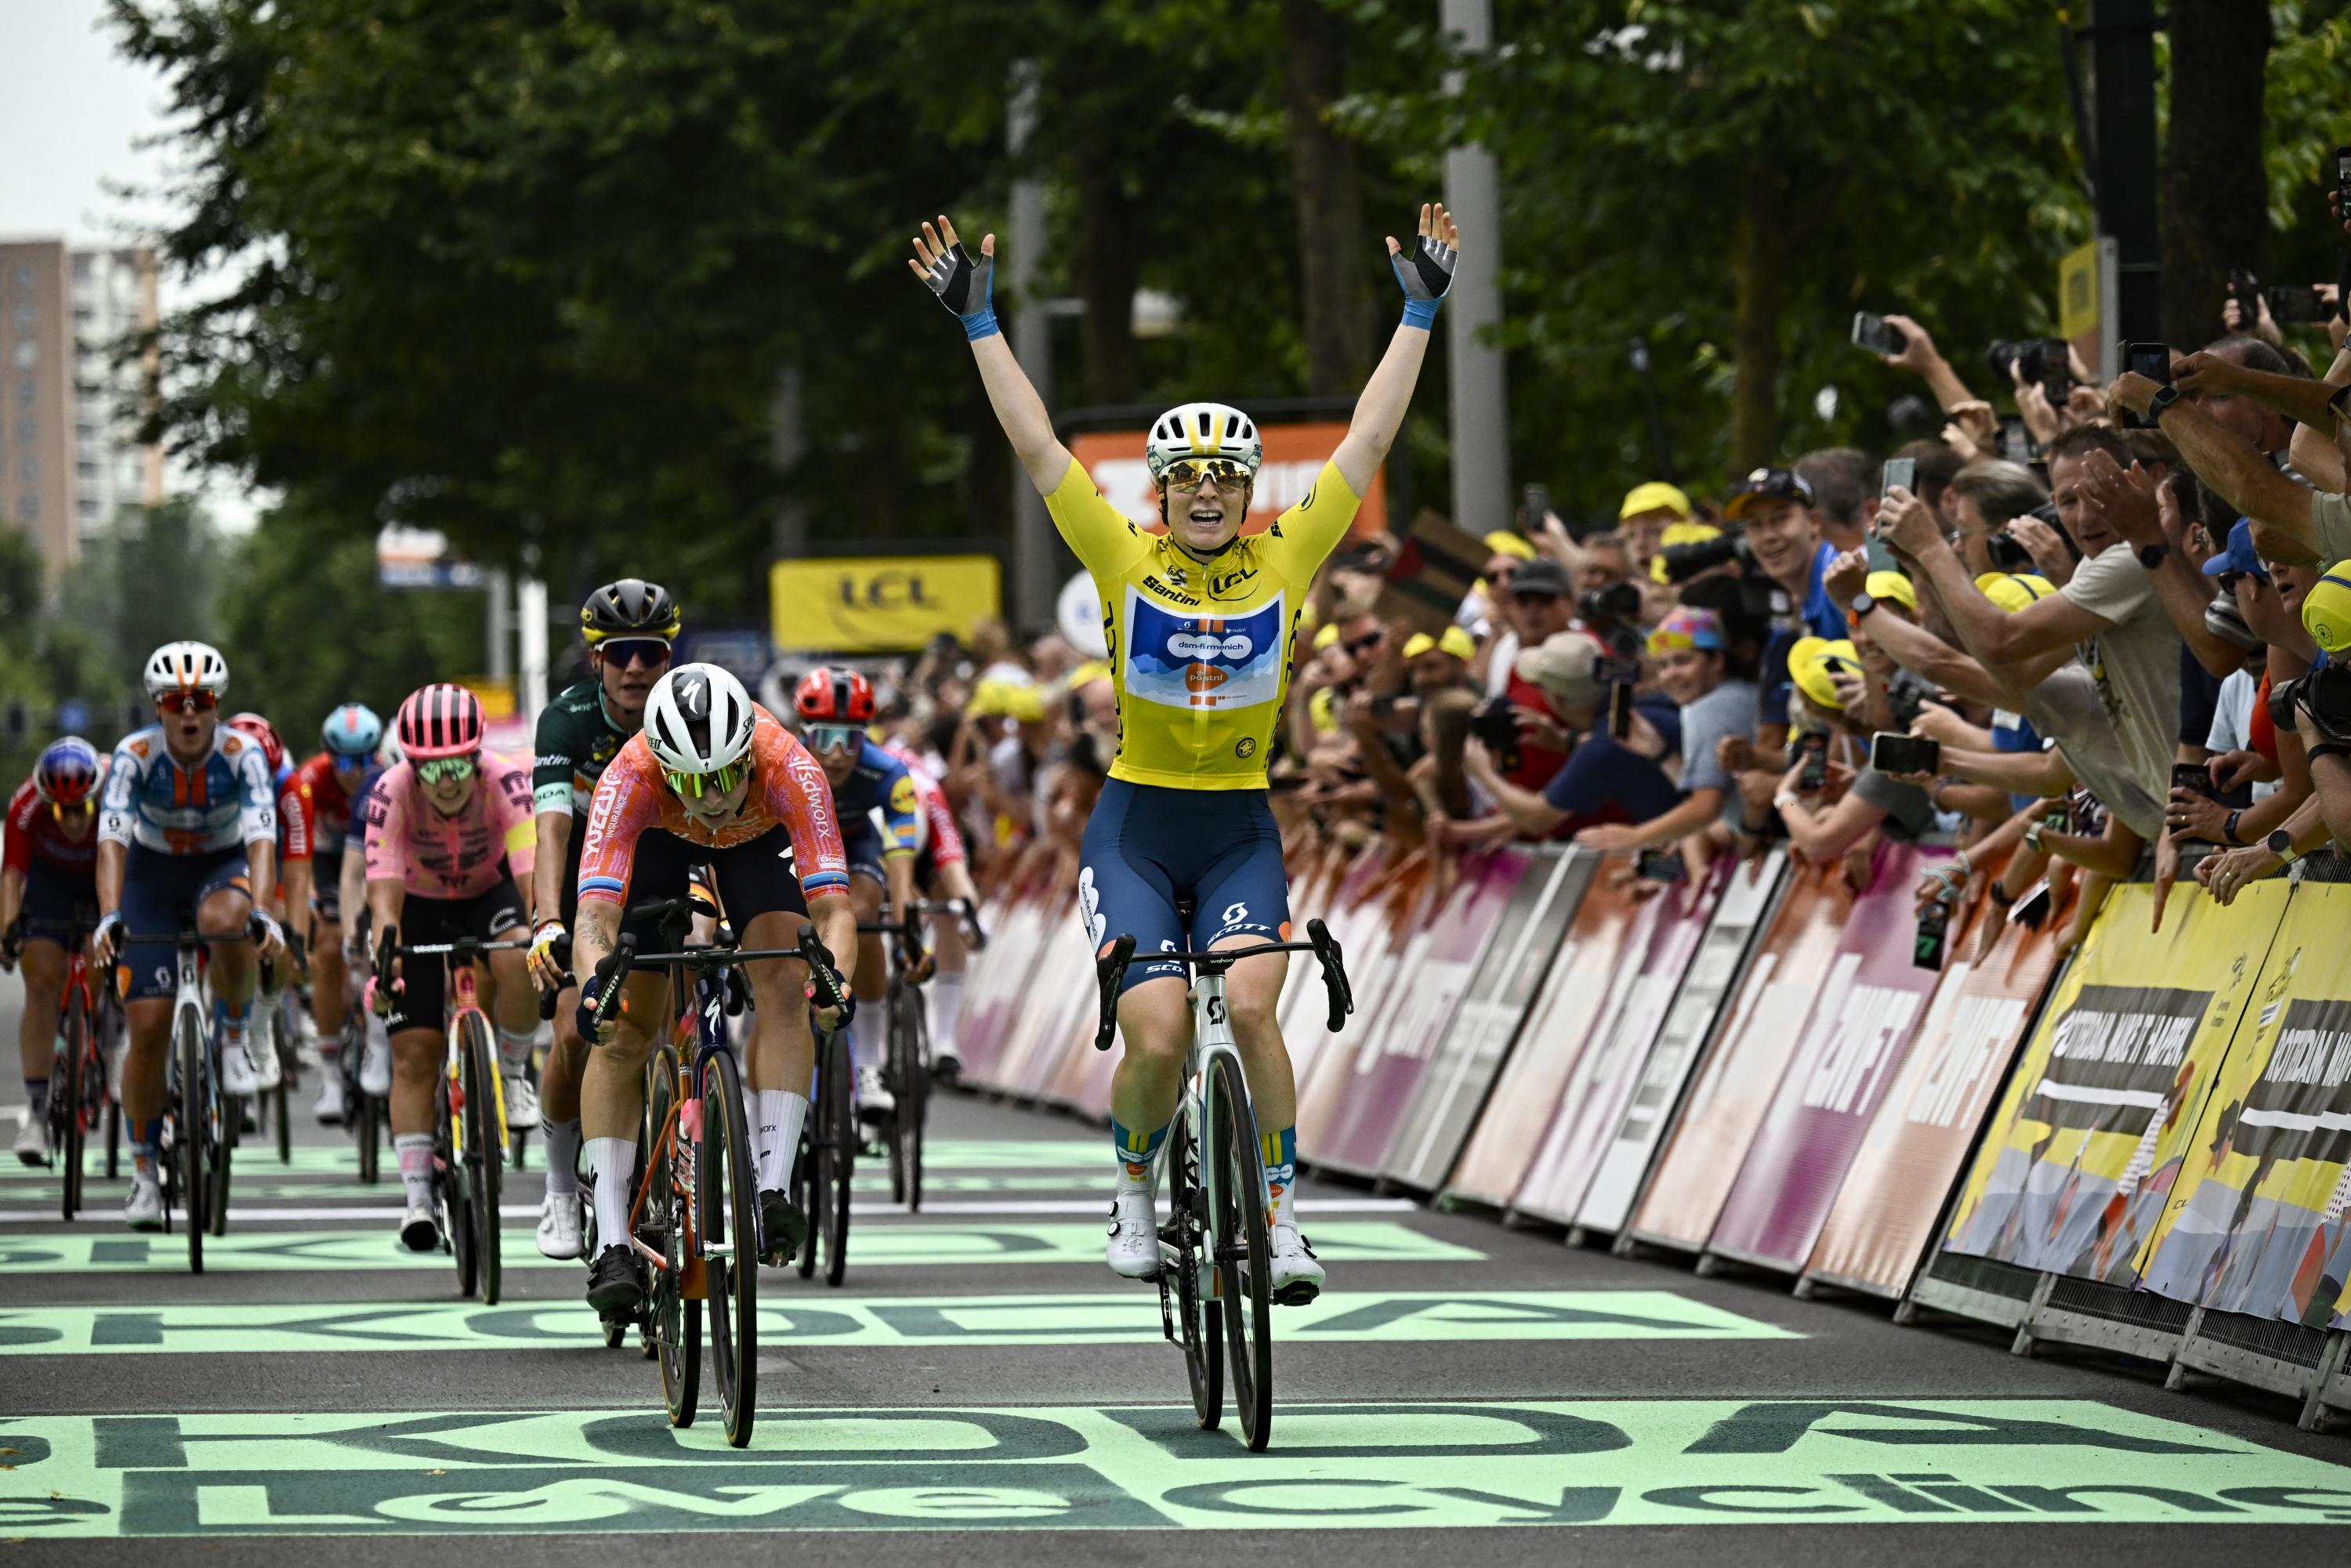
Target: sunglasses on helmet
651, 652
196, 700
833, 737
445, 769
1186, 472
718, 781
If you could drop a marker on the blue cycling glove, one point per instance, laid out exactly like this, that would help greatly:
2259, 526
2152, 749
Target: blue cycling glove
966, 285
1427, 272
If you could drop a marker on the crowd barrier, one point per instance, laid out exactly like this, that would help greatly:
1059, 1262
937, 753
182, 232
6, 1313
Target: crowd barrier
2142, 1147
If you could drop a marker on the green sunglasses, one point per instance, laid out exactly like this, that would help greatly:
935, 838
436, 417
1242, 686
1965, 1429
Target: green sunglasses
718, 781
445, 769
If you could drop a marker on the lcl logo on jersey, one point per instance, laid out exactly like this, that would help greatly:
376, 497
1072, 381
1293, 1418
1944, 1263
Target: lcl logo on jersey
1203, 661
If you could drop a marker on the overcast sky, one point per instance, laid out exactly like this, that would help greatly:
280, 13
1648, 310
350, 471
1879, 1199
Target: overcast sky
72, 115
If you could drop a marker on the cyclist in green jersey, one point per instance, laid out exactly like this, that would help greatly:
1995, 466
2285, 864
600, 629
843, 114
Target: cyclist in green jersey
1200, 620
629, 626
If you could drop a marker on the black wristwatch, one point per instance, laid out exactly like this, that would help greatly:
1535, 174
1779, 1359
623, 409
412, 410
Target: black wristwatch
2165, 396
2152, 556
2228, 827
2280, 844
1863, 604
2341, 401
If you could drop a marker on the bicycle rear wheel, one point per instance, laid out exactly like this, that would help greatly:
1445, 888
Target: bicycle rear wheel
804, 1190
222, 1133
1199, 1318
481, 1151
67, 1093
1244, 1251
189, 1133
839, 1142
727, 1191
676, 1318
910, 1086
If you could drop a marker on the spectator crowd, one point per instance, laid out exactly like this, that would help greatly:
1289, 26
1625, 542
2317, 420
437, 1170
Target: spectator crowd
2096, 640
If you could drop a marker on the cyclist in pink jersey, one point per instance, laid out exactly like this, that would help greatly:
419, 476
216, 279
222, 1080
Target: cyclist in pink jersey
944, 876
448, 830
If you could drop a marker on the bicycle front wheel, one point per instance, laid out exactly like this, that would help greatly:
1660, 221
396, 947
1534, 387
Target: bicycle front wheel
189, 1130
910, 1078
481, 1150
676, 1317
1244, 1251
1201, 1320
67, 1091
837, 1143
727, 1193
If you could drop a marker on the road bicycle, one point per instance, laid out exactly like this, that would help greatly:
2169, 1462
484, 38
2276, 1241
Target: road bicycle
275, 1017
1216, 1256
905, 1061
694, 1217
199, 1122
824, 1167
469, 1111
90, 1029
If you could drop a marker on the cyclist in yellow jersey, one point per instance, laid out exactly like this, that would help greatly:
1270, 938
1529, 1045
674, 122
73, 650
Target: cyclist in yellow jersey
1200, 622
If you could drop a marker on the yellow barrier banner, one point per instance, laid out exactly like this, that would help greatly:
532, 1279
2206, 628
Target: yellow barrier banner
2256, 1223
2100, 1117
878, 604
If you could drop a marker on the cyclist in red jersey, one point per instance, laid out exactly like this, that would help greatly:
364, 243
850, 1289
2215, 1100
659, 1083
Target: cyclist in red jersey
711, 778
48, 888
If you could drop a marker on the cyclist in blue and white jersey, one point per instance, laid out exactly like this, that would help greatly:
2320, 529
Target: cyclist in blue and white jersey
187, 835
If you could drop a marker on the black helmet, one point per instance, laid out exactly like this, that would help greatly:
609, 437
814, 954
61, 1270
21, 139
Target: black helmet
629, 607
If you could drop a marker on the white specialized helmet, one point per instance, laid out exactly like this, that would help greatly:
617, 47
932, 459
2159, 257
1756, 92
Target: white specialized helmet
1203, 430
698, 720
186, 667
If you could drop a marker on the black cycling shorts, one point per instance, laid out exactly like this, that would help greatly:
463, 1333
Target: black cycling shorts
421, 1002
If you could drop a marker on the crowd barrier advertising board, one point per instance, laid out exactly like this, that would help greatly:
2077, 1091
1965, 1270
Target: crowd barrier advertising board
1402, 1036
1586, 984
1853, 1044
2078, 1165
1327, 1081
1356, 914
1735, 1085
2256, 1222
1885, 1214
992, 1003
1453, 1091
1749, 891
1610, 1066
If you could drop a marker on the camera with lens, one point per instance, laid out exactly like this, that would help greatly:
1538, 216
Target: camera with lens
2008, 552
1761, 599
2324, 695
1497, 728
2041, 360
1613, 614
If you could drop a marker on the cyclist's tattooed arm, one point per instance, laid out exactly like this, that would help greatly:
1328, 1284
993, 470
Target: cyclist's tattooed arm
598, 923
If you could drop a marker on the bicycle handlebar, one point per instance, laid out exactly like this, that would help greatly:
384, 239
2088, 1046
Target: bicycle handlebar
1110, 973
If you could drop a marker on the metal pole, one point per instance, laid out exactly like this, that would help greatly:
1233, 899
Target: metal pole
1639, 349
1034, 588
498, 660
787, 445
530, 615
2122, 110
1481, 427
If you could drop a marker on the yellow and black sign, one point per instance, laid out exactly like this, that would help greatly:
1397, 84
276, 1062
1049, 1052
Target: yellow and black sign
880, 603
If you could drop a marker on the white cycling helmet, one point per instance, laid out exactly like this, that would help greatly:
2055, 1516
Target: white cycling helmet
698, 720
1203, 430
186, 667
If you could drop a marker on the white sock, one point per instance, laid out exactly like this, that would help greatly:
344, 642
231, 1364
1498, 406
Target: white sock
415, 1152
613, 1162
562, 1141
860, 1051
780, 1113
946, 1006
514, 1049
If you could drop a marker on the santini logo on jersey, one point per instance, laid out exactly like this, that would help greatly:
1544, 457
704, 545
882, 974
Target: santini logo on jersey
1203, 661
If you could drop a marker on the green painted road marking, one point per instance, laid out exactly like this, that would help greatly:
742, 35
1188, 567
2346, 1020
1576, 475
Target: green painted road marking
1649, 1462
268, 1183
876, 1244
1126, 1317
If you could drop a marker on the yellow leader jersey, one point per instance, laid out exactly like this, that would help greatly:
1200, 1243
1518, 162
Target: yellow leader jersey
1199, 652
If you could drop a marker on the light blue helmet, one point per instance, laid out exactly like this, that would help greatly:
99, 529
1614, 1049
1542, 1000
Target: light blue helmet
352, 730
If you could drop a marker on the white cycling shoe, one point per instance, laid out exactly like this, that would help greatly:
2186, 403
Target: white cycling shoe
375, 1061
559, 1228
261, 1045
240, 1073
1297, 1276
1133, 1252
522, 1100
143, 1209
329, 1108
420, 1230
33, 1139
875, 1102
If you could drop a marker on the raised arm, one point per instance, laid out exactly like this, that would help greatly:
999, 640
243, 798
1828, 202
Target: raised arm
1426, 273
966, 285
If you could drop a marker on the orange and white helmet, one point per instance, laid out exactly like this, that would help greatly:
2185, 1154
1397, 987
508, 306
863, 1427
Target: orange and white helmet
177, 668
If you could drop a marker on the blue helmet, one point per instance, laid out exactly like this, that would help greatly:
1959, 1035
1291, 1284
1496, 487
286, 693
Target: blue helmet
352, 730
67, 774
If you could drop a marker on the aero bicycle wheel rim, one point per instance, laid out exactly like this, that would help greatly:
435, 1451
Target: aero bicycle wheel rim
728, 1196
448, 1186
1246, 1256
483, 1153
1203, 1341
187, 1134
840, 1178
676, 1321
914, 1106
66, 1088
900, 1091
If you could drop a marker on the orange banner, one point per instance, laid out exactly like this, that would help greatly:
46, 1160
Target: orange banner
1294, 455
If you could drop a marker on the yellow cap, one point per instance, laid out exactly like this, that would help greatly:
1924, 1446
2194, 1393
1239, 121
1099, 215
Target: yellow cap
1009, 699
1087, 674
1812, 662
1893, 585
2327, 609
1655, 497
1457, 641
1502, 541
1678, 534
1322, 710
1326, 636
2013, 590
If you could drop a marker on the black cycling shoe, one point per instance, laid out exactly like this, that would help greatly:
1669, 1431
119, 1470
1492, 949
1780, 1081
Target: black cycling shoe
782, 1227
616, 1285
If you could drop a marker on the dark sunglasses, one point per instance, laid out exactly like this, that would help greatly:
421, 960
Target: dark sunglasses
624, 652
1368, 640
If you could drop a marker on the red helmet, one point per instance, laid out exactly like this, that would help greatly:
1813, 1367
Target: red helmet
441, 720
264, 734
827, 696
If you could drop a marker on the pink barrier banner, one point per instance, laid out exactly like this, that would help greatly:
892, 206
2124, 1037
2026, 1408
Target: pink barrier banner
1745, 901
1419, 1006
1742, 1069
1357, 920
1853, 1045
1395, 915
991, 1004
1884, 1216
1610, 1067
1580, 996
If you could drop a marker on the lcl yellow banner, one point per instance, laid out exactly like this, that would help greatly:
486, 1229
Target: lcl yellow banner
881, 604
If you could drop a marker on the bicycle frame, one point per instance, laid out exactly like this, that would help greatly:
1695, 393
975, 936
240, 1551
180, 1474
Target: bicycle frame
465, 996
708, 1020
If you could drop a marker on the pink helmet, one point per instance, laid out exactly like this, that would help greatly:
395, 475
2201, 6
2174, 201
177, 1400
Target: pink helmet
440, 720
